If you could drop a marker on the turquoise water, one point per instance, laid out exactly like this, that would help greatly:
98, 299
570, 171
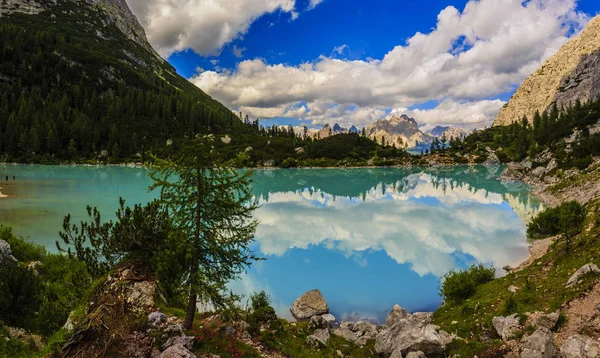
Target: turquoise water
367, 238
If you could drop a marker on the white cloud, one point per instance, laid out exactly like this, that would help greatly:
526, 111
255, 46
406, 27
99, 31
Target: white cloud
391, 218
340, 49
313, 4
469, 57
204, 26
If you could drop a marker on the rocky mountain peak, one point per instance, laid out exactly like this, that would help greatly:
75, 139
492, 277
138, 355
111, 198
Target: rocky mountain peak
571, 74
117, 11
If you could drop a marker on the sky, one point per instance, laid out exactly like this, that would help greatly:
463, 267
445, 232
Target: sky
352, 62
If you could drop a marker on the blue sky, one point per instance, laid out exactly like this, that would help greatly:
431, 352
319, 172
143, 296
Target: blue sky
324, 61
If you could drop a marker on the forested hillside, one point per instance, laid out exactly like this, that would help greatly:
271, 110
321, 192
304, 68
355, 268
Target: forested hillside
72, 85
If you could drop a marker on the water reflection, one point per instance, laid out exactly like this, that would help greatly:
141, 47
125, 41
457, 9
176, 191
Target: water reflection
380, 228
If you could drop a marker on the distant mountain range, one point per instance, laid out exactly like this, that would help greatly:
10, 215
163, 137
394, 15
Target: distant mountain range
398, 131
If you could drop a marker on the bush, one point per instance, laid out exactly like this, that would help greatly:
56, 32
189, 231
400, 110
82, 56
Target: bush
289, 163
565, 219
261, 314
457, 286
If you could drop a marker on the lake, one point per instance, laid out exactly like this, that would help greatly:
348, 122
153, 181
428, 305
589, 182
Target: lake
367, 238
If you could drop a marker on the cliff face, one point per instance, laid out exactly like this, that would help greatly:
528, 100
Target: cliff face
117, 13
571, 74
399, 132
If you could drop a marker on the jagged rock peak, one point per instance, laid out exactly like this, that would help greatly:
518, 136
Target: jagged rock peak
571, 74
117, 11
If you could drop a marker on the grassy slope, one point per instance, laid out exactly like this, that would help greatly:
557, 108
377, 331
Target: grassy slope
542, 285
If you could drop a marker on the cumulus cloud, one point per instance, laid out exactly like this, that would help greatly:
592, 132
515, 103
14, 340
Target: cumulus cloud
204, 26
469, 57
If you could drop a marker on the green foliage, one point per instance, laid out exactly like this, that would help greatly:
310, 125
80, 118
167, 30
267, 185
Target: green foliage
457, 286
39, 295
261, 314
211, 205
565, 219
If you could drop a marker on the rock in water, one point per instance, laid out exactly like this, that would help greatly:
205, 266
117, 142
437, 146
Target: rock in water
539, 345
571, 74
312, 303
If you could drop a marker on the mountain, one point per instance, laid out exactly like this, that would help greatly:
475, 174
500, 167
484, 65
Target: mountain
398, 131
353, 129
449, 132
337, 129
571, 74
79, 80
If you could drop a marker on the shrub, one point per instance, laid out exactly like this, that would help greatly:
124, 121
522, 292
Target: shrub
565, 219
289, 163
261, 314
457, 286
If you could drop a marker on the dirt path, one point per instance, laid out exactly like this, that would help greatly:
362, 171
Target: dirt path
582, 314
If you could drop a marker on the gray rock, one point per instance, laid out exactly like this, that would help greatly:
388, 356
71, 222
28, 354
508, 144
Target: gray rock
507, 327
492, 159
417, 354
425, 317
329, 318
312, 303
319, 338
404, 333
345, 333
552, 165
539, 345
319, 322
156, 319
548, 321
187, 342
269, 163
539, 172
589, 268
578, 346
5, 254
398, 313
177, 351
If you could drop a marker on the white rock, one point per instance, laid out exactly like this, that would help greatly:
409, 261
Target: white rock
589, 268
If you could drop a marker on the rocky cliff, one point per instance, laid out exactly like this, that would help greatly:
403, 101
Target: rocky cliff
117, 13
571, 74
449, 132
398, 131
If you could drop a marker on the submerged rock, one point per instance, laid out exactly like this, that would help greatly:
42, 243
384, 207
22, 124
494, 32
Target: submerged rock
310, 304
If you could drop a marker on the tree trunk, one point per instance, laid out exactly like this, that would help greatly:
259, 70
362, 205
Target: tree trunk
191, 309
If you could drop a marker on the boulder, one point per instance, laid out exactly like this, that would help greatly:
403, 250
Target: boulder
319, 338
578, 346
507, 327
187, 342
329, 318
417, 354
177, 351
156, 319
547, 321
552, 165
5, 254
319, 322
492, 159
398, 313
345, 333
539, 345
538, 172
409, 335
312, 303
589, 268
